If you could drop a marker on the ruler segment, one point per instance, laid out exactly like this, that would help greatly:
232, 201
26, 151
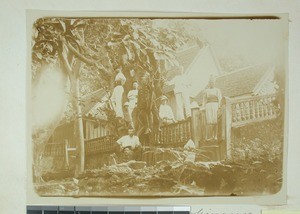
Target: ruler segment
34, 211
50, 212
107, 210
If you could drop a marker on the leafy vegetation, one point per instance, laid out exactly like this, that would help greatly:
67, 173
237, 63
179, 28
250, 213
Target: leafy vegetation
88, 53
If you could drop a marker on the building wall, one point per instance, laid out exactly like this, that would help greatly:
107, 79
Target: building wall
91, 130
62, 133
94, 129
197, 75
200, 70
172, 102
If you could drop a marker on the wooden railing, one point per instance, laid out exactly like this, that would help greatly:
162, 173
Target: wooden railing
105, 144
233, 113
60, 150
238, 112
252, 109
201, 127
56, 149
175, 134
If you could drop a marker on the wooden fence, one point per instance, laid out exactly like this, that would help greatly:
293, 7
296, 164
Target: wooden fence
233, 113
175, 134
239, 112
252, 109
56, 149
105, 144
61, 151
201, 126
98, 151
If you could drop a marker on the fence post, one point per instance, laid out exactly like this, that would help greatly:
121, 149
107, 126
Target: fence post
228, 125
66, 152
195, 124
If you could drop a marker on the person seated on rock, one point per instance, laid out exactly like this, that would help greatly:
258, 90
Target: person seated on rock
129, 146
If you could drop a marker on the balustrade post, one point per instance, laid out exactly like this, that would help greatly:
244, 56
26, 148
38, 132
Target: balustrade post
228, 125
195, 129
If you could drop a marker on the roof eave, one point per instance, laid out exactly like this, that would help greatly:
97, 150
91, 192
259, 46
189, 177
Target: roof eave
263, 80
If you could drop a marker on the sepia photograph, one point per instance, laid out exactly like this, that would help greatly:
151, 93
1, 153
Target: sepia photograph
157, 107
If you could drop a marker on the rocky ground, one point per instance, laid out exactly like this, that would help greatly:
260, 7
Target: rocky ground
254, 169
135, 178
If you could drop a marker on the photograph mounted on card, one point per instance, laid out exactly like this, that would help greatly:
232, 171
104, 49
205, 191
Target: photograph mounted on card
157, 105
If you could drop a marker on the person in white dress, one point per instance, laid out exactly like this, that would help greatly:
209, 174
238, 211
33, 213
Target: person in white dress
132, 97
211, 100
165, 112
117, 95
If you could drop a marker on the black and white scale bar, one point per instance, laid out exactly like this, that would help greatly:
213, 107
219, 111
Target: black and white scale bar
108, 210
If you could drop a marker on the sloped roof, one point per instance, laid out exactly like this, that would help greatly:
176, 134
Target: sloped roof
240, 82
184, 57
92, 104
198, 62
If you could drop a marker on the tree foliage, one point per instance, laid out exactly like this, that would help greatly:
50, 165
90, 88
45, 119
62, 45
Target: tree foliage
103, 45
137, 46
55, 40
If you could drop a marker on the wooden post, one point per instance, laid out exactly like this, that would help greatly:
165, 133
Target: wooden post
228, 124
78, 122
195, 123
223, 108
79, 131
66, 153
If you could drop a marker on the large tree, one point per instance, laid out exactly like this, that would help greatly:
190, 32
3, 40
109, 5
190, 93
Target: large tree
60, 42
138, 46
90, 50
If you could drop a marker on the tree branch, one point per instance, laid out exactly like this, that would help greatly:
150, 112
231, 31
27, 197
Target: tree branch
85, 60
78, 54
66, 64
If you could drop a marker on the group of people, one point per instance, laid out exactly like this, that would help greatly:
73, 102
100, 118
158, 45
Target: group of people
212, 97
125, 110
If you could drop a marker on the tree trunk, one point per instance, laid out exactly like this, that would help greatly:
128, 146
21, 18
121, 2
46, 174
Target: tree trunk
73, 70
78, 123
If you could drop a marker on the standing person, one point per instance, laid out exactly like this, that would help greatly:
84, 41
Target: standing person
211, 100
127, 114
143, 118
117, 95
132, 97
165, 112
116, 99
182, 96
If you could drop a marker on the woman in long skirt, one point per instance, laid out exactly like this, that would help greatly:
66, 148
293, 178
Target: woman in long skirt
211, 100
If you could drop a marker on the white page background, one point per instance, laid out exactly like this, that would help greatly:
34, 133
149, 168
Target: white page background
13, 79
